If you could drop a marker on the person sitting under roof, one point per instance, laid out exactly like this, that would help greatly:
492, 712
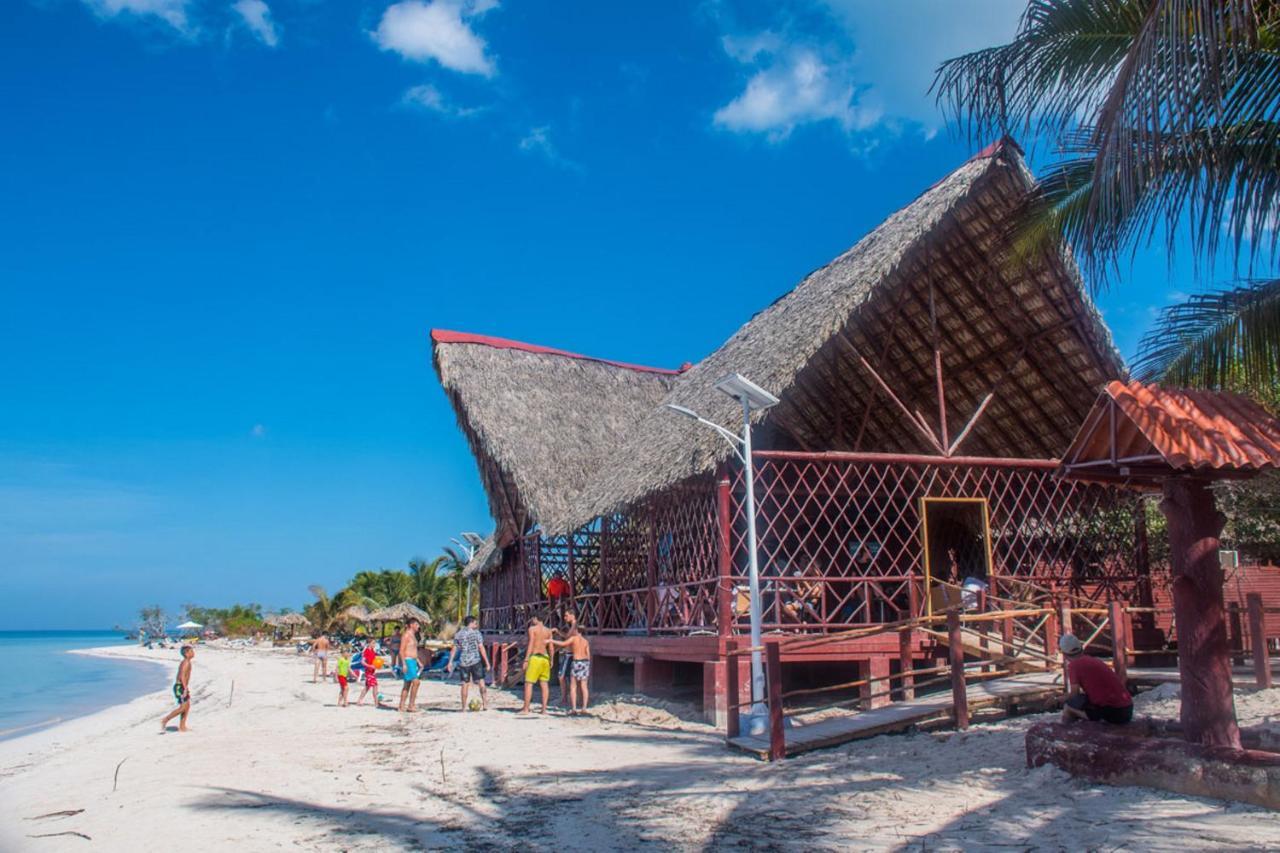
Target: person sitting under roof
1097, 693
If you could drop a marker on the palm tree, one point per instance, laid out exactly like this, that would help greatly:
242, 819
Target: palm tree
432, 589
453, 566
325, 611
1167, 114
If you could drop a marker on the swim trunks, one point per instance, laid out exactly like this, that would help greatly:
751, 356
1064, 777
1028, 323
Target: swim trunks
472, 673
565, 661
180, 694
538, 669
370, 678
582, 668
411, 670
342, 681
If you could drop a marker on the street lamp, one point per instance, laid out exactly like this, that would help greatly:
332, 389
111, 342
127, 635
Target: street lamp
752, 398
472, 542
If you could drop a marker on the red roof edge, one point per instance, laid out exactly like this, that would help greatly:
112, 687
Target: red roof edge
445, 336
997, 147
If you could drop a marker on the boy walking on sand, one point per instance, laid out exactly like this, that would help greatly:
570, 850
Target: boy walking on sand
181, 692
537, 662
344, 673
579, 671
473, 660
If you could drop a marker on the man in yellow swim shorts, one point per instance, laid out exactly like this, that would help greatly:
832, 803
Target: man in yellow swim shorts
537, 663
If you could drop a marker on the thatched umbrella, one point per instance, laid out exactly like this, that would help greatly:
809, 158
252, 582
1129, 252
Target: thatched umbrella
355, 613
402, 612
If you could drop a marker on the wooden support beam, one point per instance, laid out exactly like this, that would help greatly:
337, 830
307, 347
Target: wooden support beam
906, 681
943, 435
1119, 642
955, 648
731, 689
920, 426
773, 672
1258, 638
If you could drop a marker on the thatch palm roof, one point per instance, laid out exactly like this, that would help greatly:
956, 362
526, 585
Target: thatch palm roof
1027, 334
538, 420
355, 613
294, 619
1033, 337
486, 556
402, 612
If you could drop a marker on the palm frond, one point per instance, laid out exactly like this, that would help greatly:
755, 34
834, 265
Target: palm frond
1225, 339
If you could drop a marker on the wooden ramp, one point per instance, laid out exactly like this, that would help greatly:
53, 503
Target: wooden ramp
899, 716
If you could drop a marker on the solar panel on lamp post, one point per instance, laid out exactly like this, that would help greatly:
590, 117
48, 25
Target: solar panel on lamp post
752, 398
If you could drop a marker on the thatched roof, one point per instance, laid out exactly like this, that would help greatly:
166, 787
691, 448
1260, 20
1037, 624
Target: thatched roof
561, 439
486, 556
277, 620
539, 421
1031, 336
355, 613
402, 612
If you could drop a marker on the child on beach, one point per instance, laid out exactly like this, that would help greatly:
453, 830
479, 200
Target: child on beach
344, 673
370, 673
579, 671
181, 692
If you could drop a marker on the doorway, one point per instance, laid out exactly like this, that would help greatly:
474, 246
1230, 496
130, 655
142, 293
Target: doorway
957, 548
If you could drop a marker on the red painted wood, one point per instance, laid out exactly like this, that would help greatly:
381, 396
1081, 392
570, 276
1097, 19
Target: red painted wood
773, 675
1119, 642
1204, 659
1258, 637
906, 683
959, 696
731, 690
724, 559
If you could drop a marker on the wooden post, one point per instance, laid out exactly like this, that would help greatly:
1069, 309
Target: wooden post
773, 671
1235, 632
1119, 642
731, 689
651, 575
1006, 637
502, 665
913, 597
724, 586
959, 696
1204, 659
1258, 638
1050, 631
906, 683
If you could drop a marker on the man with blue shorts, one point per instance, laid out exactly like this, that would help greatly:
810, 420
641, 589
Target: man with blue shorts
409, 660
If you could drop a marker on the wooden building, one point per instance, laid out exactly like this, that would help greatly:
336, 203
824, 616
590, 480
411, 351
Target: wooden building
929, 382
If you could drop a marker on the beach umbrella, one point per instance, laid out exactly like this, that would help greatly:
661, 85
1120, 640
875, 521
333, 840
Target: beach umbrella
189, 625
402, 612
355, 613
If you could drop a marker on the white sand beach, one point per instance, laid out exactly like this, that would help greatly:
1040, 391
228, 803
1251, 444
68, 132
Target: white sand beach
279, 766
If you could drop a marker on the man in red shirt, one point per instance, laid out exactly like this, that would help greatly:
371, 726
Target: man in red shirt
1097, 693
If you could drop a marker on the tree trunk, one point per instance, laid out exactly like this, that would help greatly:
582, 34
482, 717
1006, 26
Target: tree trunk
1204, 655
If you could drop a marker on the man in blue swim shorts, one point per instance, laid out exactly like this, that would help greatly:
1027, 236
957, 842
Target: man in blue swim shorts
409, 660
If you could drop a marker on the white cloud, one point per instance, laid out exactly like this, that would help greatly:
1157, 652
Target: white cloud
899, 46
257, 17
791, 86
439, 30
428, 97
172, 12
538, 141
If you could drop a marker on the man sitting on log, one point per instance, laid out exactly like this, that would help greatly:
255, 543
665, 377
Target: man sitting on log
1097, 693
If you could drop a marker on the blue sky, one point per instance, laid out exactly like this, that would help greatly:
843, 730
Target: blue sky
229, 226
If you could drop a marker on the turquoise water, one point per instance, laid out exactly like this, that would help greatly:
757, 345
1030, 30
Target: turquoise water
47, 685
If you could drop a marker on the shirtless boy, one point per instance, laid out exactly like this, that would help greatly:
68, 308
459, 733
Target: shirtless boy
320, 648
579, 671
566, 659
409, 660
181, 692
537, 663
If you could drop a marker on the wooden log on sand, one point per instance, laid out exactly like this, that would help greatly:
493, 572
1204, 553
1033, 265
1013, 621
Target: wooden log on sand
1109, 754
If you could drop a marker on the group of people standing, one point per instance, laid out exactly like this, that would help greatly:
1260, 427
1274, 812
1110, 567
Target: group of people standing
575, 663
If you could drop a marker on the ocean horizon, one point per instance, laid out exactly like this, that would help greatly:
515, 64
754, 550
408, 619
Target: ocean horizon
50, 685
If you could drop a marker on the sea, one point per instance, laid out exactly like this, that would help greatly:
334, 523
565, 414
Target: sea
46, 684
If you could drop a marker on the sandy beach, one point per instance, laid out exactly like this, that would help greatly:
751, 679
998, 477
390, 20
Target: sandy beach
278, 765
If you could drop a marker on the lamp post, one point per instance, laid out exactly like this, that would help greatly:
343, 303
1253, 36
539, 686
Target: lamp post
472, 542
752, 398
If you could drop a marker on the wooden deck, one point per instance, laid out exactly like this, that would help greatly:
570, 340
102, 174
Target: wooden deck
900, 716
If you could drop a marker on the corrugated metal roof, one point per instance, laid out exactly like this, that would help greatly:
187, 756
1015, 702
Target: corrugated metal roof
1187, 429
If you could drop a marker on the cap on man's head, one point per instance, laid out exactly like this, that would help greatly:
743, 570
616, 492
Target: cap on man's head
1069, 644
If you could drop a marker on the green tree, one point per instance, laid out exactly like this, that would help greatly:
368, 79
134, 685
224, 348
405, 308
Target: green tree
1166, 115
324, 613
433, 589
